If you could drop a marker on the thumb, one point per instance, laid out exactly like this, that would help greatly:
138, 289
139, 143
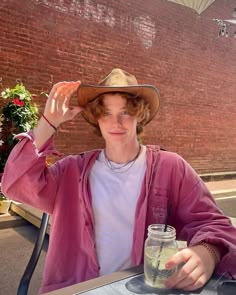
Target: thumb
75, 111
174, 261
169, 265
178, 259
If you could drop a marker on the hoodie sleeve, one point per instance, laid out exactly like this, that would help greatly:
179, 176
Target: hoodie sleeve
26, 177
198, 218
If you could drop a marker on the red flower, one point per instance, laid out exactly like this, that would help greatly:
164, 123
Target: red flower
18, 102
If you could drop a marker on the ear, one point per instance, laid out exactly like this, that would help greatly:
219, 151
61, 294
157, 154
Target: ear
139, 119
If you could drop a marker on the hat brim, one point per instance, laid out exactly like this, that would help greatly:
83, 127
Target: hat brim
87, 93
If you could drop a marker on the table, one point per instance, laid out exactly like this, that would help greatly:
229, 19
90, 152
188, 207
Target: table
131, 282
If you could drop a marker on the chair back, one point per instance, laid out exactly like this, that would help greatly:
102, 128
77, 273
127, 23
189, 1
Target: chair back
25, 280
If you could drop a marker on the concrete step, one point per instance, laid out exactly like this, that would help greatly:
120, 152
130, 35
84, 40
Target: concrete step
11, 220
218, 176
29, 213
223, 193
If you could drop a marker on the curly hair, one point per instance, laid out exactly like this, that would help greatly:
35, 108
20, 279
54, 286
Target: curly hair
136, 106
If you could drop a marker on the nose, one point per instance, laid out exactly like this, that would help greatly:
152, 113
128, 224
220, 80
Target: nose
116, 120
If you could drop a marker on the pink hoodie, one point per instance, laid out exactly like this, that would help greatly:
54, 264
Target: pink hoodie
63, 191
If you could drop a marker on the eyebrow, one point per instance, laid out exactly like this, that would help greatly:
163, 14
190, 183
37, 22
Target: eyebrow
107, 108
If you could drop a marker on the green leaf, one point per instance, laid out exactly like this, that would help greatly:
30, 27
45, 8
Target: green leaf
16, 118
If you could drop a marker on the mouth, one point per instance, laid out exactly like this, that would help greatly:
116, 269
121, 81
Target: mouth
116, 133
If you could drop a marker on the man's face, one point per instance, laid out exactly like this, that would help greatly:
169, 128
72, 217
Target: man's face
116, 124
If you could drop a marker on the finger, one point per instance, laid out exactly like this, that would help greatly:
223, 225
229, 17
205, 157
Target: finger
56, 90
61, 95
184, 265
197, 284
62, 89
185, 278
179, 258
59, 98
75, 111
70, 88
70, 92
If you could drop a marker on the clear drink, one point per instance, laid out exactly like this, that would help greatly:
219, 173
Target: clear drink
154, 265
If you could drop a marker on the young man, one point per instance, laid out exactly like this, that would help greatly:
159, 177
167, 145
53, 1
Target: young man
101, 202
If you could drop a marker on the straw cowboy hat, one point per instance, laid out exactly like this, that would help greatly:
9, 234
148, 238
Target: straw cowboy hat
119, 80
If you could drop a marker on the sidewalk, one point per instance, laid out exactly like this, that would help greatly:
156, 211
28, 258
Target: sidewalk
222, 185
16, 245
224, 193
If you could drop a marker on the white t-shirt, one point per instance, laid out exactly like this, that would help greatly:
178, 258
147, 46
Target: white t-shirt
114, 199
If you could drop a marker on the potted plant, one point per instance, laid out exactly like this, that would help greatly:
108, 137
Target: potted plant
4, 203
18, 114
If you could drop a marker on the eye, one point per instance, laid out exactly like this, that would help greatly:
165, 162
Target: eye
124, 113
106, 113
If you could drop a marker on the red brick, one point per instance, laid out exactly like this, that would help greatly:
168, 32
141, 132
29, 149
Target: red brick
162, 43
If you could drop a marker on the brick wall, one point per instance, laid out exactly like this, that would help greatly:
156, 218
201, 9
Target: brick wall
162, 43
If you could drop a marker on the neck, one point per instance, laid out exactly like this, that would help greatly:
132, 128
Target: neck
124, 154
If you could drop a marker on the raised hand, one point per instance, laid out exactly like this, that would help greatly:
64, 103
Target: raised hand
57, 109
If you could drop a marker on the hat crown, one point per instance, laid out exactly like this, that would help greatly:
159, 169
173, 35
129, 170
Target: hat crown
118, 77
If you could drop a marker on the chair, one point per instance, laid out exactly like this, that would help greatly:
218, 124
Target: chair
25, 280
